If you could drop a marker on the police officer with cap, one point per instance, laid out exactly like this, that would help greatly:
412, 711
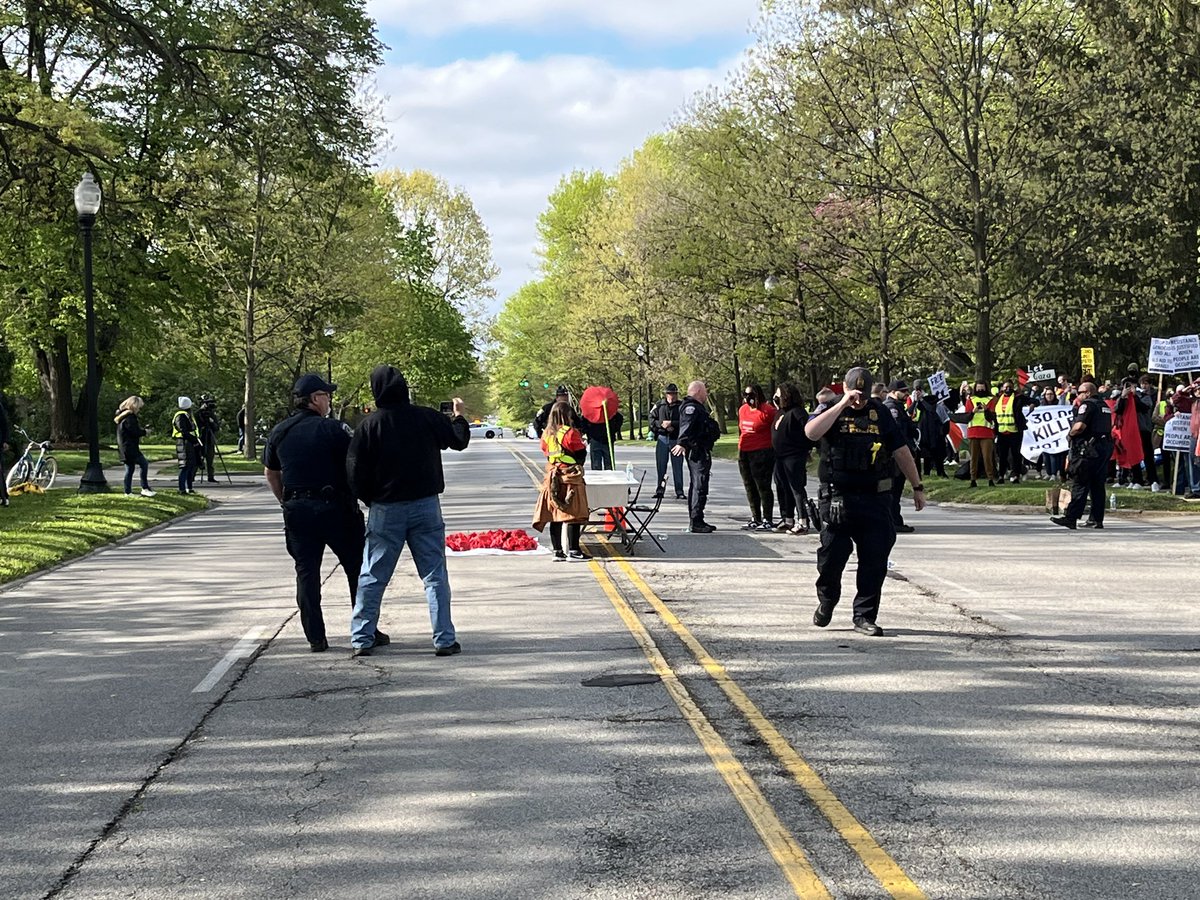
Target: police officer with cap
1091, 447
698, 432
305, 465
859, 443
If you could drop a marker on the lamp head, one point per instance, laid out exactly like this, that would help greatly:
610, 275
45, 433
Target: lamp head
87, 197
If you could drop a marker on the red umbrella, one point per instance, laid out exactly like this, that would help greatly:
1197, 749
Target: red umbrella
598, 404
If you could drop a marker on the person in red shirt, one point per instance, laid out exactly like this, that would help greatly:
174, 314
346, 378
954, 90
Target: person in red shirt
756, 458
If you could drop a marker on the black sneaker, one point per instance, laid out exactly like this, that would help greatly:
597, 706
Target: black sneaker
904, 529
752, 525
318, 646
1092, 523
701, 528
577, 556
681, 496
1063, 521
973, 484
658, 493
381, 639
362, 651
870, 629
448, 651
991, 483
767, 525
823, 615
559, 556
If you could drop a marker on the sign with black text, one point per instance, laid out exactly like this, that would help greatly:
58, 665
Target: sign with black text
1177, 433
1046, 431
1169, 356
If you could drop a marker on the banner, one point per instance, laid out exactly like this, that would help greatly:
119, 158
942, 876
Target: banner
938, 386
1087, 360
1038, 373
1169, 356
1046, 431
1177, 433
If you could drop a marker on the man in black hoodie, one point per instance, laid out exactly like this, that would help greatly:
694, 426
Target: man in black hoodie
394, 466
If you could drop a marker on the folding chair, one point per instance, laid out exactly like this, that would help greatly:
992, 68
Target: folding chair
638, 516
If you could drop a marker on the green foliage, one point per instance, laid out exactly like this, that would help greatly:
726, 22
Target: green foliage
39, 530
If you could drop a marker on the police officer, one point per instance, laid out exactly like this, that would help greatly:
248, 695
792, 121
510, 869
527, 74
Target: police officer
561, 395
305, 465
1091, 447
698, 432
664, 425
209, 425
896, 403
859, 441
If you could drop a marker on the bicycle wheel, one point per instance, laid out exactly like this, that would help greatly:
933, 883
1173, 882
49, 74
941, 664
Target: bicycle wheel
47, 473
18, 474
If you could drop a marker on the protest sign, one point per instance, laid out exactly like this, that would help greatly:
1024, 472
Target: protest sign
1037, 373
1046, 431
1087, 360
1177, 433
938, 386
1171, 355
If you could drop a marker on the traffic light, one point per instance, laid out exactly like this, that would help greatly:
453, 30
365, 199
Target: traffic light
524, 382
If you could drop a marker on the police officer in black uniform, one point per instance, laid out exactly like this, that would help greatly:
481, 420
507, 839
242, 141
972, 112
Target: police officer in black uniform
698, 432
305, 465
561, 395
1091, 447
896, 403
859, 441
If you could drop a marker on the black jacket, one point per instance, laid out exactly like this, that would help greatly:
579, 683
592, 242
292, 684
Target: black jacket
596, 431
129, 435
787, 433
395, 453
698, 431
665, 410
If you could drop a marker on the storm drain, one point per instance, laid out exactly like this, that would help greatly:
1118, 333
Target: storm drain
621, 679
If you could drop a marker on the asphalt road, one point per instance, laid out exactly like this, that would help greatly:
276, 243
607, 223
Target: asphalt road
1027, 728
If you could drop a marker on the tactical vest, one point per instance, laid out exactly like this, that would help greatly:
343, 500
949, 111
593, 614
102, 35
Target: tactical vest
175, 431
1006, 414
554, 447
1099, 424
853, 456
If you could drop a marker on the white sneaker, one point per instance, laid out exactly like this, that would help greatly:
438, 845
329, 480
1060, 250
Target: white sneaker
1135, 487
146, 492
1155, 488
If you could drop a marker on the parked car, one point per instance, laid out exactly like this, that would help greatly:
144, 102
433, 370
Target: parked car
487, 429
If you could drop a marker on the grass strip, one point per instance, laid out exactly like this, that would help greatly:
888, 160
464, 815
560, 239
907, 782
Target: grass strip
39, 530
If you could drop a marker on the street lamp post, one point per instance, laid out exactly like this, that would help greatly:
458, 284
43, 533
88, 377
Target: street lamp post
642, 392
330, 331
87, 205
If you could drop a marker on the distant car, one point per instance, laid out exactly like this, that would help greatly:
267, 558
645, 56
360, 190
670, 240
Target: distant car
487, 429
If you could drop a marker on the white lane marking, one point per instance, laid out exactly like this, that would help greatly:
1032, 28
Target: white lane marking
953, 584
1005, 615
241, 649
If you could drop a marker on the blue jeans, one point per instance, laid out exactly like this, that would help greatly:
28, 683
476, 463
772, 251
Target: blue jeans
140, 461
389, 526
598, 451
662, 453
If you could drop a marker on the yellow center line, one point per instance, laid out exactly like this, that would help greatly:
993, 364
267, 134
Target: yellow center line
775, 835
877, 860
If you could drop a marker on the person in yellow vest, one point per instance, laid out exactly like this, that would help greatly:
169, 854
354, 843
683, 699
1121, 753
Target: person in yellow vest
1010, 424
187, 444
562, 499
980, 407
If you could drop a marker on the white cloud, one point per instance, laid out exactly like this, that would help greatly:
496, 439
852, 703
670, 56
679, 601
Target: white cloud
506, 130
675, 21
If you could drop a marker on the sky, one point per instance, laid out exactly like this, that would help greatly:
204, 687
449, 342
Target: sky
502, 98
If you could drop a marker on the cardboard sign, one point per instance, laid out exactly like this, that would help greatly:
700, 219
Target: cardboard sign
1047, 431
1177, 434
1037, 373
1171, 355
1087, 360
938, 386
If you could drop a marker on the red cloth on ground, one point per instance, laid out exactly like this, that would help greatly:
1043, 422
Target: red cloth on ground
499, 539
754, 426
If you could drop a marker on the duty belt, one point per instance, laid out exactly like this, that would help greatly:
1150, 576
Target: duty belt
327, 493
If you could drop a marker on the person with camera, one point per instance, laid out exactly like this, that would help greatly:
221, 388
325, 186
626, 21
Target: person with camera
187, 445
304, 460
859, 443
1087, 462
394, 466
209, 424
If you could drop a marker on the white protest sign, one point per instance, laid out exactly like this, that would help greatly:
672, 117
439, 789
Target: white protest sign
1171, 355
1187, 352
1037, 373
1177, 434
938, 386
1047, 431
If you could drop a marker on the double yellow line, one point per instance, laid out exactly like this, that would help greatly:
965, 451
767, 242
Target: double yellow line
775, 835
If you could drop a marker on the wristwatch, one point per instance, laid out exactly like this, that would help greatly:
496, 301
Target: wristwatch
918, 487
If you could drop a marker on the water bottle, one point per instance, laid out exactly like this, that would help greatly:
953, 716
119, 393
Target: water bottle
1112, 500
629, 471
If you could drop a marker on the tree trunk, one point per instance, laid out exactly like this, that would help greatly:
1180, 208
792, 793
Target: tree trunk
54, 372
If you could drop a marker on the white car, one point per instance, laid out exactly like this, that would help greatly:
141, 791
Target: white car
487, 429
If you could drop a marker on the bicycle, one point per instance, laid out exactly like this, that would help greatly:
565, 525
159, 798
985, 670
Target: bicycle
40, 471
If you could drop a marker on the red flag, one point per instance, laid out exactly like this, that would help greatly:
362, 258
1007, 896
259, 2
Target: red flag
1022, 377
1127, 440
